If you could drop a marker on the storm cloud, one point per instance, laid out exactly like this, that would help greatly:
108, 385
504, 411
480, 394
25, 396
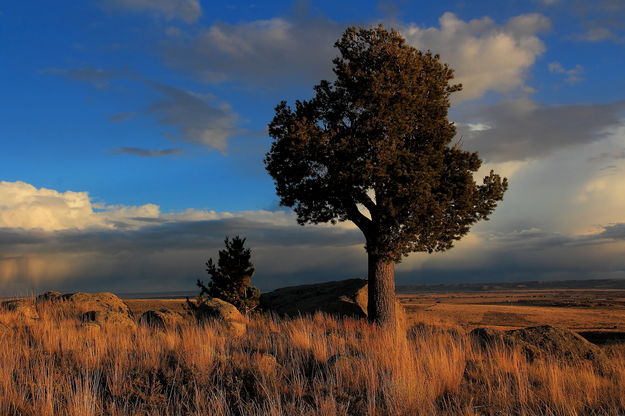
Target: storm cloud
194, 118
142, 249
525, 129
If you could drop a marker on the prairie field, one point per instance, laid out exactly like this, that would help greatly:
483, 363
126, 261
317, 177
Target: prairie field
575, 309
314, 365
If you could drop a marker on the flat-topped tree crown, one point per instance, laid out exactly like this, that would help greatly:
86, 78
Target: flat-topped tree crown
375, 147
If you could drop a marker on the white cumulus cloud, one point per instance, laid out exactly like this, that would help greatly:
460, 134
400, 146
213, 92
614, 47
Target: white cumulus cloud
485, 55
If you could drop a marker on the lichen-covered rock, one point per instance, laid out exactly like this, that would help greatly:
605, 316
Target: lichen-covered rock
49, 296
161, 319
91, 328
24, 308
84, 302
487, 337
224, 314
545, 341
118, 320
340, 298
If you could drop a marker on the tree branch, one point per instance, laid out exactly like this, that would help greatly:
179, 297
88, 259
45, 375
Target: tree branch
357, 217
368, 203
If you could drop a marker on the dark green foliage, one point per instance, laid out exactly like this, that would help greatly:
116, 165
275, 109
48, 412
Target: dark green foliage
230, 277
375, 147
378, 137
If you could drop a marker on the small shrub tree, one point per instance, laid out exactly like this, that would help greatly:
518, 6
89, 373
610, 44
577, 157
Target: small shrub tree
230, 277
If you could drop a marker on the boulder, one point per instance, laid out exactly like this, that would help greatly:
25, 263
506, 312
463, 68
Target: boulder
118, 320
49, 296
161, 319
343, 298
225, 314
84, 302
545, 341
91, 328
25, 308
486, 337
340, 298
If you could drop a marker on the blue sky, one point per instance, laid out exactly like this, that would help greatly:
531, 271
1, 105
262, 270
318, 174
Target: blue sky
127, 120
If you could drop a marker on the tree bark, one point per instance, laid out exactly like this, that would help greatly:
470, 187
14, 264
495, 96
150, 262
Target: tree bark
381, 298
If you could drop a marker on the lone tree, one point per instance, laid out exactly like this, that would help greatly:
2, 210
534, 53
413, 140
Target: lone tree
230, 277
374, 147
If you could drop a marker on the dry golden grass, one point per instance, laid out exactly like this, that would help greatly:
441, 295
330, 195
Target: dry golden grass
307, 366
580, 310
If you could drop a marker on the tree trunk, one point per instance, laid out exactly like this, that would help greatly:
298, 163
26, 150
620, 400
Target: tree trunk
381, 301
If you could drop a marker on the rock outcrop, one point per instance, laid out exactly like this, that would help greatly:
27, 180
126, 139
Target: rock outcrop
161, 319
222, 313
118, 320
340, 298
24, 308
76, 304
49, 296
544, 341
83, 302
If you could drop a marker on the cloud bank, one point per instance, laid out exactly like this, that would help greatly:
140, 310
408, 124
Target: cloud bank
62, 240
525, 129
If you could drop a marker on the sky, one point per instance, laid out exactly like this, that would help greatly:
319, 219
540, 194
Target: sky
133, 132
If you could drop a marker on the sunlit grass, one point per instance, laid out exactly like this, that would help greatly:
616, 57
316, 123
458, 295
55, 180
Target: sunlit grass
307, 366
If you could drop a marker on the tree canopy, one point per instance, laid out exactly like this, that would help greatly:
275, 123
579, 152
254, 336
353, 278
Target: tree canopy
374, 146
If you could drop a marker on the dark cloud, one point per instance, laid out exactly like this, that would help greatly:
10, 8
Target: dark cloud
529, 255
99, 78
170, 256
525, 129
186, 10
607, 157
598, 20
613, 232
121, 117
597, 33
181, 235
265, 52
198, 119
571, 76
138, 151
